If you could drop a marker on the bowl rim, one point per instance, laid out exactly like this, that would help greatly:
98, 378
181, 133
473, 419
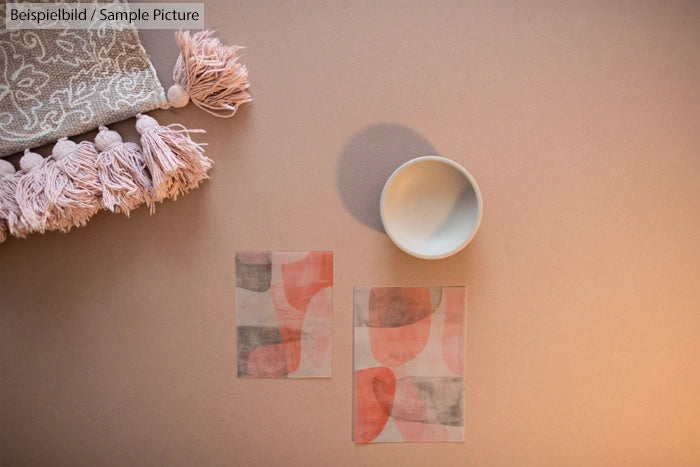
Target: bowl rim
472, 182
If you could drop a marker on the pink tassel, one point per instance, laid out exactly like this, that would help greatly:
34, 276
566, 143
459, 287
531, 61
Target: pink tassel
10, 210
208, 73
121, 169
81, 197
7, 196
18, 224
64, 191
31, 193
176, 163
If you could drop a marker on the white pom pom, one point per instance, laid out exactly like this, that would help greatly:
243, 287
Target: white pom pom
6, 168
30, 160
177, 96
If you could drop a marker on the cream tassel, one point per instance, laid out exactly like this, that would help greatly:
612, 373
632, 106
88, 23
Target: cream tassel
176, 163
208, 73
122, 172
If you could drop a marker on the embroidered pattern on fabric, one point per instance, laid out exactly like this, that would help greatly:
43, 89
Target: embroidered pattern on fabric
56, 83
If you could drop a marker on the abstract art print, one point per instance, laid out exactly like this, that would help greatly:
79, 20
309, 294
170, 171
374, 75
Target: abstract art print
409, 364
284, 313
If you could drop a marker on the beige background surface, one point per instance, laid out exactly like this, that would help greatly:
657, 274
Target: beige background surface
578, 119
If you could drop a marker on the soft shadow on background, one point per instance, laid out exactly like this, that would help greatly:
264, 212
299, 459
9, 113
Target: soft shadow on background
368, 159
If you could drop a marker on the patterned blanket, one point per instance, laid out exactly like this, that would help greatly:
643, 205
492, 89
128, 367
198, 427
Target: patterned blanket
56, 83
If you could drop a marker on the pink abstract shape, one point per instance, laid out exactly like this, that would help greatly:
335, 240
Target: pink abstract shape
453, 334
276, 360
300, 282
396, 346
374, 399
303, 279
268, 361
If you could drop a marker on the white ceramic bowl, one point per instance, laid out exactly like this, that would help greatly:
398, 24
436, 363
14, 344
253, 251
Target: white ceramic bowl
431, 207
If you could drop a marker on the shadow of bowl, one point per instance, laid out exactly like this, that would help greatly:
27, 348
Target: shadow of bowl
366, 162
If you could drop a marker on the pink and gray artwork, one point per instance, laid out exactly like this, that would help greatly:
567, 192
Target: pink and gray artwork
284, 308
409, 364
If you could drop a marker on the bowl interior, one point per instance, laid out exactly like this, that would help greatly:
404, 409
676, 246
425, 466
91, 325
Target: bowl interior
431, 207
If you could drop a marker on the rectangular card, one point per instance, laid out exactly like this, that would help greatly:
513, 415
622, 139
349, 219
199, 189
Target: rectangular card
284, 313
409, 364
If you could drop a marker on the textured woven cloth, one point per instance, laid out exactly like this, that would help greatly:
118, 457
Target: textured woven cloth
56, 83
